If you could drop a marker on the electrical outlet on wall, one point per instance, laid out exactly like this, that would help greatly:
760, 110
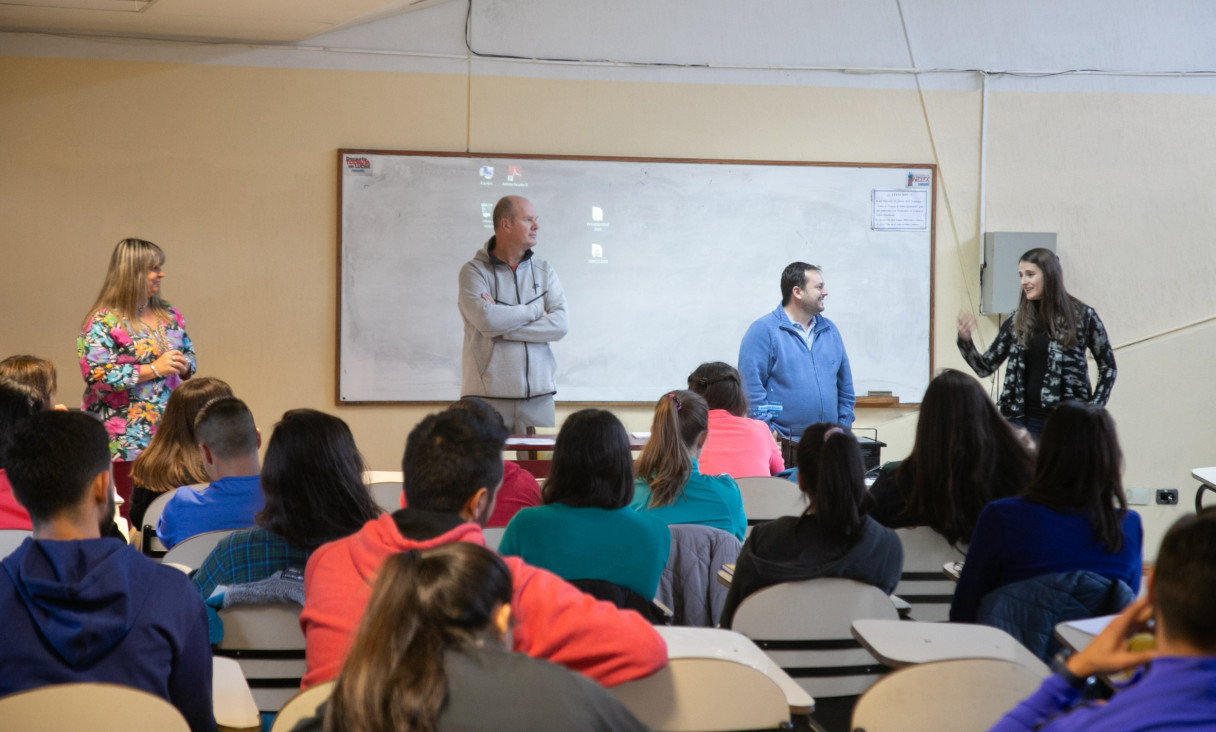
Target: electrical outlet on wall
1167, 497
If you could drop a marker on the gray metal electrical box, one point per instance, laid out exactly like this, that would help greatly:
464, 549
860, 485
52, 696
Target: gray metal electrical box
999, 285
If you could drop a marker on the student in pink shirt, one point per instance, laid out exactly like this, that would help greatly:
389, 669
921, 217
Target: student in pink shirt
738, 446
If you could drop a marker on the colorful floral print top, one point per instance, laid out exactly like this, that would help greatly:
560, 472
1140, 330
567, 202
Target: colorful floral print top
110, 357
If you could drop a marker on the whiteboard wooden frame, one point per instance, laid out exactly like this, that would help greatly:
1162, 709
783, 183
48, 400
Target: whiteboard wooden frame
863, 401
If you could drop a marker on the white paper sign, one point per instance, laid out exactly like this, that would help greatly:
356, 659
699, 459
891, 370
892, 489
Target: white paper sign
900, 210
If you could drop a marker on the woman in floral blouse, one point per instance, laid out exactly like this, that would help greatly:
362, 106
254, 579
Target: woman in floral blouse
133, 352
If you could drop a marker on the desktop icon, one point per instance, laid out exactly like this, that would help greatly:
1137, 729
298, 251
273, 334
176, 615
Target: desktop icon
597, 213
513, 172
597, 251
487, 172
487, 210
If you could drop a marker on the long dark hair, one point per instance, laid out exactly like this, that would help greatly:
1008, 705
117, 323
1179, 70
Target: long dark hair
592, 465
965, 456
313, 480
666, 461
832, 475
423, 604
1056, 309
721, 385
1080, 468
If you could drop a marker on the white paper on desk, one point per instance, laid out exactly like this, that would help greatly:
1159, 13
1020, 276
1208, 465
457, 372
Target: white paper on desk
533, 441
1093, 626
640, 435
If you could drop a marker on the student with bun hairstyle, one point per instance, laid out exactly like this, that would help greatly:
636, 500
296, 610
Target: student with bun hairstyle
38, 373
738, 446
431, 654
833, 538
1072, 516
669, 482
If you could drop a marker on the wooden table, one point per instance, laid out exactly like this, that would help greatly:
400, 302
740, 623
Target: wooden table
731, 646
899, 643
527, 447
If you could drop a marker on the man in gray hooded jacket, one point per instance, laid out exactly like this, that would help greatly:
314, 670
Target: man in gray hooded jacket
513, 307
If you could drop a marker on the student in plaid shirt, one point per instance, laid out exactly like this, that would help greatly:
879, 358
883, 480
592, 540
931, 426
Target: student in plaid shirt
313, 481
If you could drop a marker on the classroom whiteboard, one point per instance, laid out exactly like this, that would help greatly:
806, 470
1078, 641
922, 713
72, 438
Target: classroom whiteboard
664, 264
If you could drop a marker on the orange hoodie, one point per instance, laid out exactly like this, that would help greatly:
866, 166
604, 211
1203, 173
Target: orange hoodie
554, 621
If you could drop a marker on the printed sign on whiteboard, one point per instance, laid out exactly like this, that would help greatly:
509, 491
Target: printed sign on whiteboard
900, 210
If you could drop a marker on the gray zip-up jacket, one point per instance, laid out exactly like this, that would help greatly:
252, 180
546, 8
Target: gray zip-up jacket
506, 352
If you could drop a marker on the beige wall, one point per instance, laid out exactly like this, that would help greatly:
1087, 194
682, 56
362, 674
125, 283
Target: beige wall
232, 170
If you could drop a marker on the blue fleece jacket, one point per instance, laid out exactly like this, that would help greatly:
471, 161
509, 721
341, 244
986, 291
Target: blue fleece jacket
98, 610
790, 385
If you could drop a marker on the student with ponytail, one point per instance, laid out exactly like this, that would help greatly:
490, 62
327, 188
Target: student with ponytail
669, 482
431, 655
737, 445
834, 537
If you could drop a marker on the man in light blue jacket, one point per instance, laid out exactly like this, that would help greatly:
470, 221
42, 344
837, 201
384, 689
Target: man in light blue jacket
794, 366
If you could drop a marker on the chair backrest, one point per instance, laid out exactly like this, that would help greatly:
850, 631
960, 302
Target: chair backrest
961, 695
268, 643
149, 543
806, 628
493, 537
10, 539
765, 499
303, 704
923, 584
624, 598
386, 494
191, 552
93, 706
707, 694
382, 476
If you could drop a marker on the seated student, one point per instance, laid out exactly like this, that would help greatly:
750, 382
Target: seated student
1174, 690
519, 489
1072, 516
452, 466
78, 607
833, 538
586, 529
313, 483
38, 373
965, 456
172, 458
431, 654
669, 481
228, 441
18, 403
737, 445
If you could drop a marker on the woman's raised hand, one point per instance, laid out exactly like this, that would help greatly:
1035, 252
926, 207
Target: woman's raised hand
966, 323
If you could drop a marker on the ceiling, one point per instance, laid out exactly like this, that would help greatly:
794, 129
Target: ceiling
279, 21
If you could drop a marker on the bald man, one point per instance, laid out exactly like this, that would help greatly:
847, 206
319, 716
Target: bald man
513, 307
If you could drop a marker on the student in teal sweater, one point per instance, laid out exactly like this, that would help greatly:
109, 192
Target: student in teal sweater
585, 528
670, 485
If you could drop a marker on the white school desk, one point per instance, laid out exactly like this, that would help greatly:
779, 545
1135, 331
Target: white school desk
899, 643
231, 701
685, 642
1076, 634
1207, 476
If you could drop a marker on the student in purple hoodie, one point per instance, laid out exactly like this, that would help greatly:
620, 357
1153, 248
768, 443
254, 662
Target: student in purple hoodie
78, 607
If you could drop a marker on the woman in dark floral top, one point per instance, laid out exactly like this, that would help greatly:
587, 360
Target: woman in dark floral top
1045, 342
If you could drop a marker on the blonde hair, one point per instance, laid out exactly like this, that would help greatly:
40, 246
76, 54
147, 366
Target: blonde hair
126, 285
666, 462
172, 458
35, 372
